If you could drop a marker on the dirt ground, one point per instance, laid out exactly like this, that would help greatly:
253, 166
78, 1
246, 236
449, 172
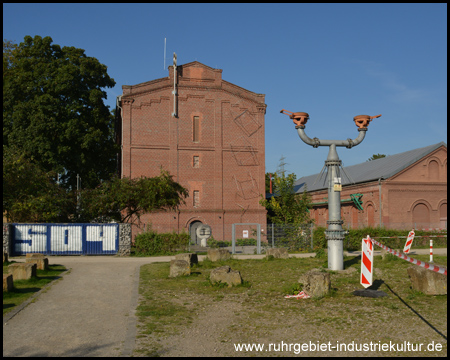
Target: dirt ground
351, 326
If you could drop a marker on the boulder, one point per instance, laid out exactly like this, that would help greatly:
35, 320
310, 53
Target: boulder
179, 268
191, 258
22, 271
41, 262
7, 282
224, 274
218, 254
316, 283
277, 253
427, 281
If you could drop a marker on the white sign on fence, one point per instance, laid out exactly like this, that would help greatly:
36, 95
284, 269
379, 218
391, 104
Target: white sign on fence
245, 234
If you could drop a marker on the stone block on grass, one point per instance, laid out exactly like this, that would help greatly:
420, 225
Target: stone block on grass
277, 253
224, 274
41, 263
22, 271
5, 256
316, 283
427, 281
34, 256
7, 282
179, 268
191, 258
218, 254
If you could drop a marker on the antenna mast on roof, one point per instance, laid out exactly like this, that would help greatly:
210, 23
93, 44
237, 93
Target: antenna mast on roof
175, 110
164, 54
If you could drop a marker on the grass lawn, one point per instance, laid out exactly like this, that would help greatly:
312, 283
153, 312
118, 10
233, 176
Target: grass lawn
171, 309
24, 289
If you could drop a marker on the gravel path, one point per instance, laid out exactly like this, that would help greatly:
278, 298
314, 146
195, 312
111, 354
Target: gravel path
90, 312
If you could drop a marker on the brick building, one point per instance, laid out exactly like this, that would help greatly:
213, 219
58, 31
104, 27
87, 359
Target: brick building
400, 191
209, 134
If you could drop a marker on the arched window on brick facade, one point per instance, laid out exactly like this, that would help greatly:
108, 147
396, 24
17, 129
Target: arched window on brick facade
370, 215
421, 216
433, 170
443, 216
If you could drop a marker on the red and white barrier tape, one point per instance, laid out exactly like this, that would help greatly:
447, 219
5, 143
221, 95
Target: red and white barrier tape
423, 264
300, 295
418, 236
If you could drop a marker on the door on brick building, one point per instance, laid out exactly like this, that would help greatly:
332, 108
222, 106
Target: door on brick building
193, 232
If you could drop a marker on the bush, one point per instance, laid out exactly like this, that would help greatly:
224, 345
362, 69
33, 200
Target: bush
246, 242
214, 244
151, 243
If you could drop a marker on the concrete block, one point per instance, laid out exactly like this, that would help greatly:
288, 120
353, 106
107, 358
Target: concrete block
34, 256
41, 263
218, 254
179, 268
224, 274
427, 281
22, 271
7, 282
316, 283
277, 253
191, 258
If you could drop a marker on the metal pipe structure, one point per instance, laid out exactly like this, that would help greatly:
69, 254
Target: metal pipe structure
334, 234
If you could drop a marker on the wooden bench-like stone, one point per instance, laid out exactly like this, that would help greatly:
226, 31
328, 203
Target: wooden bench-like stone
22, 271
7, 282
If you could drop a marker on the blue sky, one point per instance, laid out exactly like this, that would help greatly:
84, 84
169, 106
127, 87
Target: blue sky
333, 61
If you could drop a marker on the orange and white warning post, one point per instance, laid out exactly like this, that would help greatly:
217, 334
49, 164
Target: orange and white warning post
311, 346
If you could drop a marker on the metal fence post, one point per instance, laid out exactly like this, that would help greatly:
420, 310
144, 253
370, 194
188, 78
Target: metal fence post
259, 239
273, 236
233, 239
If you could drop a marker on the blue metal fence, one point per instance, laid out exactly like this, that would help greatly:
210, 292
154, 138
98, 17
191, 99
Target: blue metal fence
65, 239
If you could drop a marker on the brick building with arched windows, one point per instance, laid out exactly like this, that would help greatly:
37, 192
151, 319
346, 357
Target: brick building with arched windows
209, 134
401, 191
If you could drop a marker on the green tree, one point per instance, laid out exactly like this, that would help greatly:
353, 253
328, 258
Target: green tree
125, 200
376, 156
30, 194
287, 207
53, 109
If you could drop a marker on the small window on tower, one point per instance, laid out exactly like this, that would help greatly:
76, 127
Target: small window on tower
196, 198
196, 161
196, 129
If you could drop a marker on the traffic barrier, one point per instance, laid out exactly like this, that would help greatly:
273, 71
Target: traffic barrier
366, 262
409, 241
423, 264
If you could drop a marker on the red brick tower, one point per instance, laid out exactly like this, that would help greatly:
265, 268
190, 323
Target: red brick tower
209, 136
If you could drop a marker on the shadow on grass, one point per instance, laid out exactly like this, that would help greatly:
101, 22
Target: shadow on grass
354, 260
415, 312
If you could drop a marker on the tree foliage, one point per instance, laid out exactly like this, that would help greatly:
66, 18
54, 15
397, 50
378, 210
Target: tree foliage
53, 109
30, 194
125, 200
376, 156
287, 207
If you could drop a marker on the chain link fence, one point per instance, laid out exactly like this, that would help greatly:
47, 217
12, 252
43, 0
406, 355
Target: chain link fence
292, 237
